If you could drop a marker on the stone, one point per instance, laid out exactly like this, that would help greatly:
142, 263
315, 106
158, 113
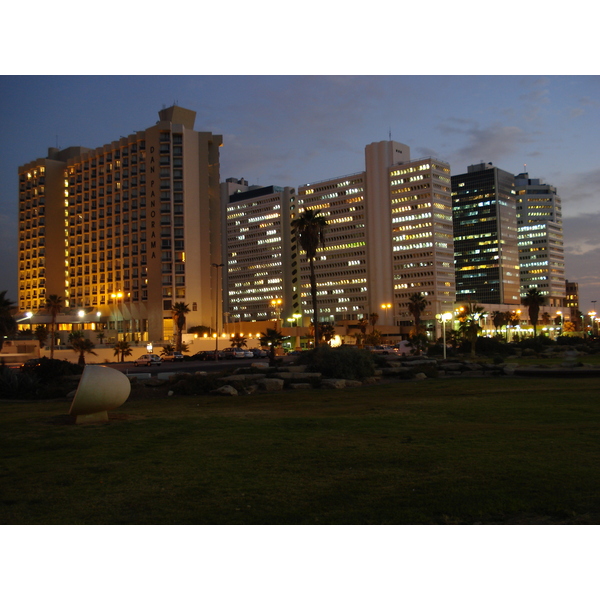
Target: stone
270, 384
333, 384
420, 376
353, 383
226, 390
300, 386
260, 365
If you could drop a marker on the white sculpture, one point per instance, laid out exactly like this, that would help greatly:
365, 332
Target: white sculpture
100, 389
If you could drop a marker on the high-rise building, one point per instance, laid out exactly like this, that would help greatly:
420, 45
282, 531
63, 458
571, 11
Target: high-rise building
389, 236
258, 281
485, 236
127, 229
541, 248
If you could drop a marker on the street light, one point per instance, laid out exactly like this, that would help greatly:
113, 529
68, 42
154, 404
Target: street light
592, 315
442, 318
217, 266
276, 304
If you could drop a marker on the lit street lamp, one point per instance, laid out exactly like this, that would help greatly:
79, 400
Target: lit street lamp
217, 266
442, 318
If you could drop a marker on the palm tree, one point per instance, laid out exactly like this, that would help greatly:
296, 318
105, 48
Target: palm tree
179, 310
327, 332
272, 338
416, 305
238, 341
81, 344
310, 227
123, 349
54, 304
470, 327
373, 318
499, 319
533, 300
41, 335
8, 325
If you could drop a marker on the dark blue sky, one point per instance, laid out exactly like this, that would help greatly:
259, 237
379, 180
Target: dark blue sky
289, 130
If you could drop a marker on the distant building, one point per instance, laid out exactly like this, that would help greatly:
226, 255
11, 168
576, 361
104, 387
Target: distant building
541, 246
258, 284
389, 236
572, 299
485, 236
125, 230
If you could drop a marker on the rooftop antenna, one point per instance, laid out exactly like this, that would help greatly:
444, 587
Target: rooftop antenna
390, 134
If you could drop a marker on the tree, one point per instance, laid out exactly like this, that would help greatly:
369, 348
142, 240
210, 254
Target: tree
469, 319
179, 310
239, 341
499, 319
310, 228
327, 332
167, 349
81, 344
41, 335
100, 336
533, 300
417, 303
54, 305
8, 325
373, 318
272, 339
123, 349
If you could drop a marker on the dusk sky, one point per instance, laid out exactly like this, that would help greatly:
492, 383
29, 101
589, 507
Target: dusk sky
290, 130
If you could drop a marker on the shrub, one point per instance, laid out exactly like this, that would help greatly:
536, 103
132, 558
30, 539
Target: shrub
344, 362
16, 385
49, 369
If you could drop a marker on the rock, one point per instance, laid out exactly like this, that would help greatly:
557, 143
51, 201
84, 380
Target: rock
300, 386
260, 365
353, 383
420, 376
333, 384
270, 384
226, 390
154, 382
296, 368
170, 393
202, 373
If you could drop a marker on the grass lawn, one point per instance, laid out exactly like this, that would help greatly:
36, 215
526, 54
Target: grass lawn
456, 451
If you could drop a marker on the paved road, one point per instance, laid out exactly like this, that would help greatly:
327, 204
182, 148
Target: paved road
190, 366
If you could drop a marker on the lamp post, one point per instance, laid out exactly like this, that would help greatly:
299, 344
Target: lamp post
442, 318
217, 267
276, 304
592, 315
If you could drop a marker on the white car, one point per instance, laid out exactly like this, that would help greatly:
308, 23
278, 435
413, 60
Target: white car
148, 359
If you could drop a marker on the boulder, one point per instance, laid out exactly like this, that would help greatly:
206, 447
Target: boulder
300, 386
270, 384
420, 376
333, 384
226, 390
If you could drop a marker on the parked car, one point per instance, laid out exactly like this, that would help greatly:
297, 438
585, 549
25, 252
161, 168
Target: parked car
231, 353
148, 360
248, 354
203, 355
173, 356
259, 353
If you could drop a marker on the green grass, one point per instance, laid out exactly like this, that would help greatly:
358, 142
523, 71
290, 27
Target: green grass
436, 451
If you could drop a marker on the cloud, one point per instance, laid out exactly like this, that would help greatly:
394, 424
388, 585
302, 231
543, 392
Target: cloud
582, 233
581, 191
489, 144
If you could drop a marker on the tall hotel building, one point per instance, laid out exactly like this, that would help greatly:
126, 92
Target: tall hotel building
541, 249
125, 230
258, 282
485, 236
389, 236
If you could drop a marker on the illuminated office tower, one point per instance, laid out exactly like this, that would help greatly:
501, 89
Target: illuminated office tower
541, 249
258, 284
389, 237
125, 230
485, 236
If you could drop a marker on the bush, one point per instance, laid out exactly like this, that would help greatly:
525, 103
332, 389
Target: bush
18, 386
344, 362
49, 369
